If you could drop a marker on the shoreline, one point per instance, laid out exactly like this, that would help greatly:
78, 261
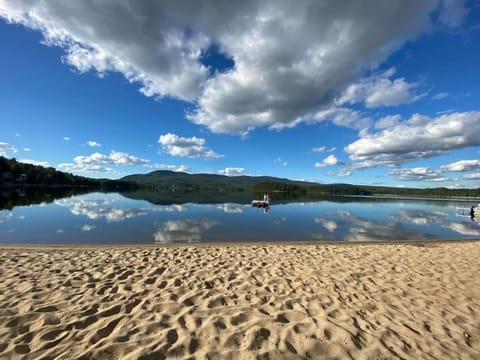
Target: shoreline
414, 299
418, 243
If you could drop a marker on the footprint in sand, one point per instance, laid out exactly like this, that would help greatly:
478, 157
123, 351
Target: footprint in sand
47, 309
220, 325
259, 337
22, 349
193, 346
105, 331
172, 337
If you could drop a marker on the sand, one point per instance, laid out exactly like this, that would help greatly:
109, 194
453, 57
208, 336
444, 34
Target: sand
260, 301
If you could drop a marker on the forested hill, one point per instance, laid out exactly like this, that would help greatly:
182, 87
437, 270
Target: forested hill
179, 181
169, 180
15, 173
165, 178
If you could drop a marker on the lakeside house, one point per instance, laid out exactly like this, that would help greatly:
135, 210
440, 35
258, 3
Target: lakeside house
7, 177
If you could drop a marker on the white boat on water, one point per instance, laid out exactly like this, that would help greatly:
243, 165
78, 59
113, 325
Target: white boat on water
262, 203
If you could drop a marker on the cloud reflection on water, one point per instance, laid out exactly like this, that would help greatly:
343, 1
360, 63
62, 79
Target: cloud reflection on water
361, 229
330, 225
5, 215
470, 228
95, 217
231, 208
425, 218
88, 227
418, 217
100, 208
183, 230
168, 208
282, 220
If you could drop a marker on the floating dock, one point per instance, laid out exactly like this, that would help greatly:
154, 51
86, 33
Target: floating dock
262, 203
472, 212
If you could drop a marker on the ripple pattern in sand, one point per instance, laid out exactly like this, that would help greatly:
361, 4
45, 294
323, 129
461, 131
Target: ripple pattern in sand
248, 302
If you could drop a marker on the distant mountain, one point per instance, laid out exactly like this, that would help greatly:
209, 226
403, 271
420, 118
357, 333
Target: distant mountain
14, 174
181, 180
168, 181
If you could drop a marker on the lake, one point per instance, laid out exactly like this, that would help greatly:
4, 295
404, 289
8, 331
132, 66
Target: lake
112, 218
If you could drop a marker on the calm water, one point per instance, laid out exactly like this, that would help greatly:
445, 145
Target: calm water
113, 218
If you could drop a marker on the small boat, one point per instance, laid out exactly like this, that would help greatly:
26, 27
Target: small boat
262, 203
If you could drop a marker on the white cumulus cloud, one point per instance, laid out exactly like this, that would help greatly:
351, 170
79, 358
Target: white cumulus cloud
6, 147
96, 162
290, 59
462, 165
114, 158
321, 149
280, 161
453, 12
330, 160
475, 176
84, 168
342, 117
388, 121
35, 162
440, 96
192, 147
232, 171
379, 90
92, 143
178, 168
417, 138
418, 174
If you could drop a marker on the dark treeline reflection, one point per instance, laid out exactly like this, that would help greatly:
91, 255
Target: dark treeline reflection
23, 196
169, 197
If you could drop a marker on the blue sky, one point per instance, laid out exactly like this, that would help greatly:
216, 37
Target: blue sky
316, 90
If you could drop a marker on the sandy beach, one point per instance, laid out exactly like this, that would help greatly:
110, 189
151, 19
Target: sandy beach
258, 301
